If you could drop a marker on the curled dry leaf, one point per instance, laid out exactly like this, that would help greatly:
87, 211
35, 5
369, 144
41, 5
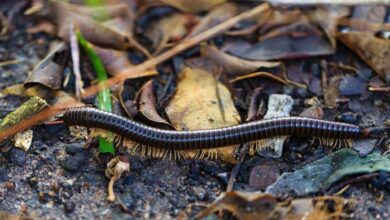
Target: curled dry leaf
147, 104
193, 6
372, 50
94, 31
218, 15
232, 65
329, 25
255, 205
49, 71
170, 28
202, 102
243, 205
115, 168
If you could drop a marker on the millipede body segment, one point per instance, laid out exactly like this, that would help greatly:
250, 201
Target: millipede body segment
214, 138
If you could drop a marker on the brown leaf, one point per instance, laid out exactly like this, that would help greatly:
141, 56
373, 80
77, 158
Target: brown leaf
293, 41
95, 32
193, 6
169, 28
147, 104
243, 205
372, 50
256, 205
49, 71
332, 93
327, 17
232, 65
116, 62
216, 16
202, 102
369, 13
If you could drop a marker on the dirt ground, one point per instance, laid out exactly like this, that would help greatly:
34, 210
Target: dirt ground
57, 178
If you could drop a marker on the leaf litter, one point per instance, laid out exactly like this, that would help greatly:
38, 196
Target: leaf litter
248, 57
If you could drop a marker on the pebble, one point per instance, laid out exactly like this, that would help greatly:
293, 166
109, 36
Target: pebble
74, 149
349, 117
3, 175
279, 105
17, 156
72, 164
263, 176
352, 86
77, 156
69, 207
200, 193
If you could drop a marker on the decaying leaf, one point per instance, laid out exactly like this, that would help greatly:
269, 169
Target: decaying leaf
20, 90
296, 40
202, 102
257, 205
116, 62
94, 31
372, 50
147, 104
115, 168
329, 25
232, 65
49, 71
321, 174
193, 6
216, 16
170, 28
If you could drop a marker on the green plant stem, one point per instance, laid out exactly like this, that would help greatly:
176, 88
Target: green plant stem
104, 96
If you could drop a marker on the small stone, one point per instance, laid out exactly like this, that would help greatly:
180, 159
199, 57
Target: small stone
279, 105
349, 117
74, 149
352, 86
72, 165
69, 207
263, 175
17, 156
364, 146
3, 175
200, 193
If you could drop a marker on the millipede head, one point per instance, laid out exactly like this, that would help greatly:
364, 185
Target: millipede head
376, 132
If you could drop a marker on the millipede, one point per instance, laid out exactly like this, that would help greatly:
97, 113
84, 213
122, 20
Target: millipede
163, 141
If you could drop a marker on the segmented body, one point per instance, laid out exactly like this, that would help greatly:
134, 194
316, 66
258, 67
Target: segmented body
212, 138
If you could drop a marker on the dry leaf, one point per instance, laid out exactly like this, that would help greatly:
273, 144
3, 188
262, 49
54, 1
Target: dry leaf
115, 168
372, 50
194, 6
147, 104
257, 205
243, 205
48, 72
202, 102
116, 62
95, 32
169, 28
329, 25
215, 17
232, 65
